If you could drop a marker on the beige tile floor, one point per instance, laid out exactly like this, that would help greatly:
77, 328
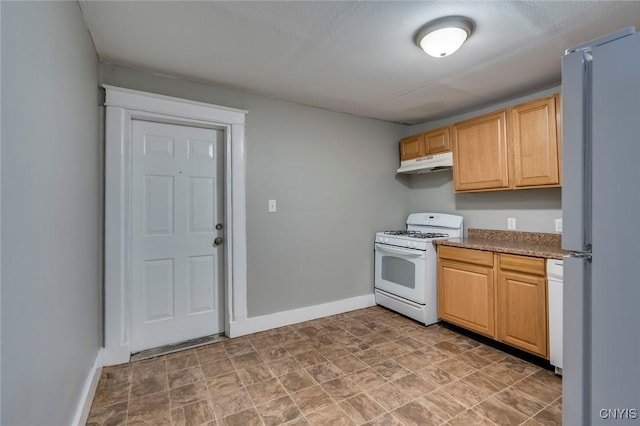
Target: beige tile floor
369, 366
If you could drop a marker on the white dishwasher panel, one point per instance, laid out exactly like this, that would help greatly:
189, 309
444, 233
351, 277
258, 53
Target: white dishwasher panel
554, 279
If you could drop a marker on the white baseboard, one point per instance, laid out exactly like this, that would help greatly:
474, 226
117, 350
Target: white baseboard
113, 356
105, 356
294, 316
88, 392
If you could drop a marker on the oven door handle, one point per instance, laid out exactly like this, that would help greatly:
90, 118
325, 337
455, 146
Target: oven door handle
409, 253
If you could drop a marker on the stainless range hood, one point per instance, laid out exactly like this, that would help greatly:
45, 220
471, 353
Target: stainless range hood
431, 163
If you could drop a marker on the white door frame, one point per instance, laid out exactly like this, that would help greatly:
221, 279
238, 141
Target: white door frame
123, 106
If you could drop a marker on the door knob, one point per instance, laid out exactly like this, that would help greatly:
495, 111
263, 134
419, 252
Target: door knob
217, 241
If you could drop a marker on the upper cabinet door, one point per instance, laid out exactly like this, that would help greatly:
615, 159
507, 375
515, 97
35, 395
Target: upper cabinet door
437, 141
412, 147
535, 143
480, 159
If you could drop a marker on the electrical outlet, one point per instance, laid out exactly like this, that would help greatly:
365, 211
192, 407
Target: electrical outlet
558, 225
272, 206
511, 223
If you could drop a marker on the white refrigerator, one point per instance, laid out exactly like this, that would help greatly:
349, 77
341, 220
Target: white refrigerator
601, 218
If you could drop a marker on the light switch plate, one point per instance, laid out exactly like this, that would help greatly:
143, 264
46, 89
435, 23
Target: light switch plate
272, 206
511, 223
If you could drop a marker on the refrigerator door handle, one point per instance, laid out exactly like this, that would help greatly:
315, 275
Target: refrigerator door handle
576, 339
576, 162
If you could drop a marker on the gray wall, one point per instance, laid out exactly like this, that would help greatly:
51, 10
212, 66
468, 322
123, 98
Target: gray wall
51, 226
332, 175
534, 209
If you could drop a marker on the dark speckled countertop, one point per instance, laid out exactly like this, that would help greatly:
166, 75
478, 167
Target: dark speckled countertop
535, 244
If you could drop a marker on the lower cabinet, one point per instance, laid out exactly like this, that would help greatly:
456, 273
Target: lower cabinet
465, 289
501, 296
522, 303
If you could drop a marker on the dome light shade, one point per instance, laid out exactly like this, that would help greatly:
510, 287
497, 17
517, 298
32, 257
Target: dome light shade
444, 36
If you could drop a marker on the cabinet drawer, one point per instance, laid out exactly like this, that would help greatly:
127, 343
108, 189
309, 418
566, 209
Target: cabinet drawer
477, 257
524, 264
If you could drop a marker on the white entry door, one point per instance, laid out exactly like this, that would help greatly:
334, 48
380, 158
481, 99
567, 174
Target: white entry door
177, 267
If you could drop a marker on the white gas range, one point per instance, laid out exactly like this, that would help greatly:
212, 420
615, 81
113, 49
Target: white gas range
405, 265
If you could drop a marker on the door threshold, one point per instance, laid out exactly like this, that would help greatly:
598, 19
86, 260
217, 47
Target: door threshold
176, 347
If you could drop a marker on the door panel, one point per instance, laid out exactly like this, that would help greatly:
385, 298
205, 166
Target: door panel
202, 197
412, 147
576, 201
522, 312
480, 153
159, 288
177, 181
575, 331
201, 275
437, 141
158, 206
199, 149
614, 313
398, 273
535, 143
465, 295
158, 146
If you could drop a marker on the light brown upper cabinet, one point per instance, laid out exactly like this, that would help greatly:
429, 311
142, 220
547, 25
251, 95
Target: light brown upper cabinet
535, 135
480, 153
437, 141
412, 147
515, 148
424, 144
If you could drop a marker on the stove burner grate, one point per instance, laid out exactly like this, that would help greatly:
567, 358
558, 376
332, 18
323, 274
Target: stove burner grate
417, 234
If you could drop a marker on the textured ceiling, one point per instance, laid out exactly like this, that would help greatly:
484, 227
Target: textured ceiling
354, 57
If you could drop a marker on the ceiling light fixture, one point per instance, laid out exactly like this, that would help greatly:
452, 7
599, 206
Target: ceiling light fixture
444, 36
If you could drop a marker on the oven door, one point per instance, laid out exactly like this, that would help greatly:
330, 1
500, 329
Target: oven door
401, 271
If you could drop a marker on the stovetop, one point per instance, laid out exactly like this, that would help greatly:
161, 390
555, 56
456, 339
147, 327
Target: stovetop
422, 229
416, 234
409, 239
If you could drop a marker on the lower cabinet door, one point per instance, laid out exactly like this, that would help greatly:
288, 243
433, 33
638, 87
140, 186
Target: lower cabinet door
465, 296
522, 312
